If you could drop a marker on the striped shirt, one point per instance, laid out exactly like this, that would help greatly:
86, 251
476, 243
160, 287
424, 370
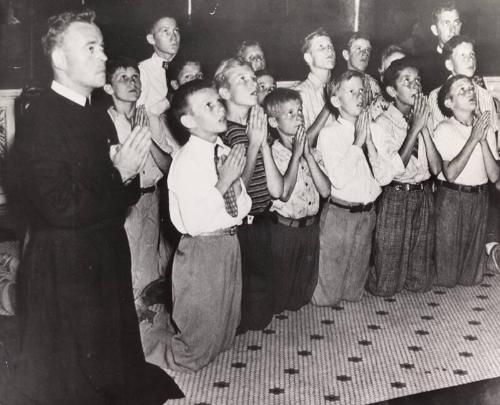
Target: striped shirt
313, 99
257, 188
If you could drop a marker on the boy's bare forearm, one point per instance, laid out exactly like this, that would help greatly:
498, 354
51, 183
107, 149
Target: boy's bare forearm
273, 175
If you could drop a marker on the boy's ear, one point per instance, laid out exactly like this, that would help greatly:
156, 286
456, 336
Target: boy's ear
345, 54
448, 65
188, 121
174, 84
335, 101
448, 103
224, 93
308, 58
108, 89
150, 39
272, 122
391, 91
434, 30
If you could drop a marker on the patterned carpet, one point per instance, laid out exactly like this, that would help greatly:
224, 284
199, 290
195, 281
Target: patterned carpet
359, 353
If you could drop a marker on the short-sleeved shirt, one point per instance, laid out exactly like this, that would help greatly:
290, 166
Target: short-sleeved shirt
313, 99
304, 200
346, 164
257, 188
450, 138
389, 132
484, 103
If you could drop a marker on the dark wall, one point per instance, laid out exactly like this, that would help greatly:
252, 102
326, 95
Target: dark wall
217, 27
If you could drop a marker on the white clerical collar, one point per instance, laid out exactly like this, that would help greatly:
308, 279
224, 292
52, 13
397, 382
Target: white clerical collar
68, 93
439, 49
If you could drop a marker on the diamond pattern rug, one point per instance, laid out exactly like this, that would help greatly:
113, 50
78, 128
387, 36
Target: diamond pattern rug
359, 353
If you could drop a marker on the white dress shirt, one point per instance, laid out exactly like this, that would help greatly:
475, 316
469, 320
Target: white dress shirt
196, 206
450, 137
484, 103
154, 85
313, 99
346, 164
389, 132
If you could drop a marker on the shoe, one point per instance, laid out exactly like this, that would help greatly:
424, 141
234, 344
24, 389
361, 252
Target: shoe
493, 261
156, 292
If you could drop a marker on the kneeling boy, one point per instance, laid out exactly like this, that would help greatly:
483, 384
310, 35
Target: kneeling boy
468, 147
295, 232
348, 220
207, 201
247, 126
404, 234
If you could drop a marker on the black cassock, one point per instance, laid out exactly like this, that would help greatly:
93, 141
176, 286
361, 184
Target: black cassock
80, 335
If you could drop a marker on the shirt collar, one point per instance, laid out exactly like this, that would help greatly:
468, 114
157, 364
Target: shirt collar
315, 80
200, 143
396, 116
439, 49
157, 60
281, 148
345, 122
115, 115
68, 93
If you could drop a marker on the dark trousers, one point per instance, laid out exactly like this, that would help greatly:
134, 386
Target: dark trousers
257, 301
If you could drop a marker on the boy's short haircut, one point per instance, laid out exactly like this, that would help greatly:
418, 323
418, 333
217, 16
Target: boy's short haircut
175, 67
112, 65
388, 51
154, 21
263, 72
240, 52
354, 37
444, 93
274, 100
221, 74
58, 24
391, 74
320, 32
179, 106
449, 46
334, 85
446, 6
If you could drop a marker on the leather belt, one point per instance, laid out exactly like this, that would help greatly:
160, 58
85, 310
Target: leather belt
226, 231
408, 186
463, 188
147, 190
252, 219
353, 208
294, 223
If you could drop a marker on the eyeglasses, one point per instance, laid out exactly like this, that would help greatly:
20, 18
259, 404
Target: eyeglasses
254, 58
266, 89
463, 91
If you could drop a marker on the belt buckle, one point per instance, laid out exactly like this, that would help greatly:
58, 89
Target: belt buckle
250, 219
407, 186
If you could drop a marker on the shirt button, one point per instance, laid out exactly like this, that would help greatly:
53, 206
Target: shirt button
307, 184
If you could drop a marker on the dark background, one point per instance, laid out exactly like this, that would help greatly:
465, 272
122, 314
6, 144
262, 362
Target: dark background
217, 27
